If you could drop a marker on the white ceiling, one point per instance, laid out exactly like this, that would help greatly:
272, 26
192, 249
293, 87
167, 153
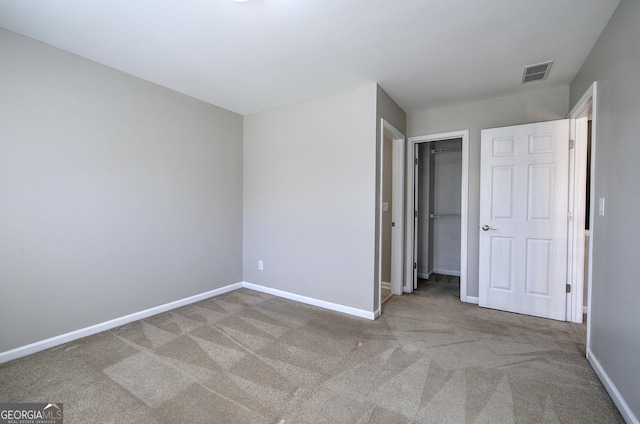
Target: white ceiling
261, 54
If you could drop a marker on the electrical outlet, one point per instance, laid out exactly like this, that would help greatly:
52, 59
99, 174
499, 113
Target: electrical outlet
260, 265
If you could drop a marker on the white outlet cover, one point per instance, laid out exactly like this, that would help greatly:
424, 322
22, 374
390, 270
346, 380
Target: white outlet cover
385, 206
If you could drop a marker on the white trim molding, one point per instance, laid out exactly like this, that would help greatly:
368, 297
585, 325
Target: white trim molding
611, 388
589, 101
448, 272
582, 112
41, 345
311, 301
397, 202
464, 206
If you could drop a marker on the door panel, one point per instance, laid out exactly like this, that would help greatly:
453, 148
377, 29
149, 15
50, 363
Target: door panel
501, 263
523, 218
502, 186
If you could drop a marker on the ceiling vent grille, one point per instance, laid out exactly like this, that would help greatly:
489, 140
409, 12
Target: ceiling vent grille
536, 72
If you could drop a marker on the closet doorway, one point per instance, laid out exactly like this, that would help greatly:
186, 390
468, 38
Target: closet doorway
439, 196
438, 200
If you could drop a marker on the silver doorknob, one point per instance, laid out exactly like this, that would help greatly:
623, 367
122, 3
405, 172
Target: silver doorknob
485, 227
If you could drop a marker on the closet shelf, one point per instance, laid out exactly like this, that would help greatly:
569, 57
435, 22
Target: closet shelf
446, 149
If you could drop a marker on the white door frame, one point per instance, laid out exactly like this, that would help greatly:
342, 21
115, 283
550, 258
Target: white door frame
397, 210
579, 114
464, 210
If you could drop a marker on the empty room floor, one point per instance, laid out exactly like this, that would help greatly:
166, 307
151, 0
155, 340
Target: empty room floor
440, 286
248, 357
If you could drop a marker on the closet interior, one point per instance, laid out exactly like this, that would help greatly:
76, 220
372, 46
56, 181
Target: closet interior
439, 209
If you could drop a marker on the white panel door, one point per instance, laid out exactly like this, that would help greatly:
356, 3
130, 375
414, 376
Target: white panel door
524, 182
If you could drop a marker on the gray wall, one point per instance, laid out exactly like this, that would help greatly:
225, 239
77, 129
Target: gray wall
615, 298
387, 109
309, 198
116, 195
537, 106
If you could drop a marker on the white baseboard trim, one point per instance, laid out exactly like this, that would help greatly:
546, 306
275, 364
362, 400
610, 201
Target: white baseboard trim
311, 301
449, 272
424, 276
29, 349
472, 299
385, 285
585, 309
611, 388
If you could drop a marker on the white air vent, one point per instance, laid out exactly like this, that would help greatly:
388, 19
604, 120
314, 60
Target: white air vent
536, 72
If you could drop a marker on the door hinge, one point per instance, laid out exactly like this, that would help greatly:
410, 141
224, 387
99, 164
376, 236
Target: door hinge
415, 214
415, 265
416, 161
572, 144
569, 216
568, 288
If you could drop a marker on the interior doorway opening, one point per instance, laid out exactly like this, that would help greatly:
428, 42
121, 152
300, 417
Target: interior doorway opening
388, 223
587, 230
391, 224
439, 206
582, 202
439, 164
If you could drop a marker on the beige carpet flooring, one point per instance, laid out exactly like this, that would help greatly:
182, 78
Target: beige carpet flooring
247, 357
